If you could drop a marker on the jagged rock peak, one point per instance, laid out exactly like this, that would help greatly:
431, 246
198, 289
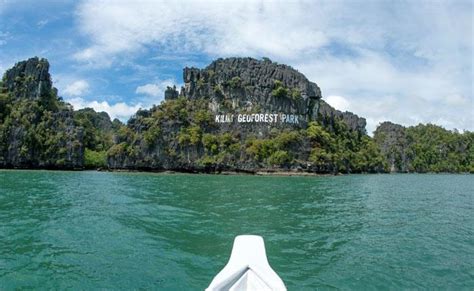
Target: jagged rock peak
353, 121
250, 85
251, 72
28, 79
387, 126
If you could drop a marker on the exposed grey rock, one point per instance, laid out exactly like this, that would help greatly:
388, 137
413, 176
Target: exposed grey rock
393, 143
100, 120
67, 152
246, 85
29, 79
353, 121
171, 93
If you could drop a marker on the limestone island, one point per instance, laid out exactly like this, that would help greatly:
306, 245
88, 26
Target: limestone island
235, 115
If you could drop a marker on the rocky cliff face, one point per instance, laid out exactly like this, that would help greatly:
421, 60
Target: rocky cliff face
328, 114
37, 129
29, 79
249, 85
238, 114
392, 141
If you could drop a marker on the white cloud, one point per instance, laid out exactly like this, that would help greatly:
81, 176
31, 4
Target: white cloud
149, 89
3, 4
407, 111
338, 102
400, 61
120, 110
42, 23
156, 89
76, 88
374, 88
217, 28
457, 99
4, 37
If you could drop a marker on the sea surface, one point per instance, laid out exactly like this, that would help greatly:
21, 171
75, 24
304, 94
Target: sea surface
123, 231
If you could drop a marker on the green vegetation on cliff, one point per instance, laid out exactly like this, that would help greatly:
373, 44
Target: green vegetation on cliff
425, 148
39, 130
98, 136
36, 128
181, 134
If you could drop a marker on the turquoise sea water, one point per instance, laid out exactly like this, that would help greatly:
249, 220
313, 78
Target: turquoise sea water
92, 230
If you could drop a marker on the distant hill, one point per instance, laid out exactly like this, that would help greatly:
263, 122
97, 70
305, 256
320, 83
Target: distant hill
425, 148
237, 114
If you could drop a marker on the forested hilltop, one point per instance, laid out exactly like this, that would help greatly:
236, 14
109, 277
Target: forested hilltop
237, 114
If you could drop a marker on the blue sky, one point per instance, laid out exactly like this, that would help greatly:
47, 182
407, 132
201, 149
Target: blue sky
404, 61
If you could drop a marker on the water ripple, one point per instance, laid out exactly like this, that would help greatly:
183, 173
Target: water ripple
89, 230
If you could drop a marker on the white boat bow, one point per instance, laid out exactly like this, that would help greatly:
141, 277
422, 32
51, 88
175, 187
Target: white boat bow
248, 268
